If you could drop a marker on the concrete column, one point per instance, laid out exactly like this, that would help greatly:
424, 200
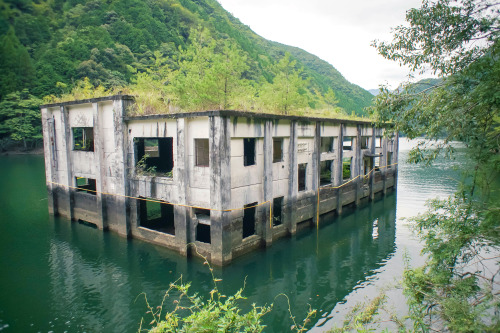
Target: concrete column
220, 189
121, 167
67, 148
50, 153
383, 164
268, 182
395, 158
316, 160
372, 175
182, 227
101, 174
358, 165
338, 168
292, 178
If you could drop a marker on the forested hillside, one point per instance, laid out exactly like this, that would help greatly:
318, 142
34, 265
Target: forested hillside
56, 47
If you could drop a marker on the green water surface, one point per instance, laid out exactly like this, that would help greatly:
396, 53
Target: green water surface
60, 276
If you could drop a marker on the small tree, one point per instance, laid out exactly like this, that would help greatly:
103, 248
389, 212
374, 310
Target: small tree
457, 289
20, 118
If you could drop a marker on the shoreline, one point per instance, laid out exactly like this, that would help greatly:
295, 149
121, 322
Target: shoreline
36, 151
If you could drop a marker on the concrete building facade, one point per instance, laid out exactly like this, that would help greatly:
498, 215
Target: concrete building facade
217, 183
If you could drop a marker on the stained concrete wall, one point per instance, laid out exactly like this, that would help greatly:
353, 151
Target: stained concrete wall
226, 185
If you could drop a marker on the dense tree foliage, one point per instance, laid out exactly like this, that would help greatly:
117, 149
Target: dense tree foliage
457, 289
111, 43
52, 47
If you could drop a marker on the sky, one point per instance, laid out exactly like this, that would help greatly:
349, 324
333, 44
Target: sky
338, 31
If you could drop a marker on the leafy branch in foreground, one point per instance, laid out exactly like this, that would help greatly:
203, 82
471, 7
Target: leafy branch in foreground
457, 289
218, 313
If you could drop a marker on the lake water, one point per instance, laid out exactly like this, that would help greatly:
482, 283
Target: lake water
61, 276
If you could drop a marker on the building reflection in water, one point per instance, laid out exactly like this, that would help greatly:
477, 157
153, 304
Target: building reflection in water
96, 278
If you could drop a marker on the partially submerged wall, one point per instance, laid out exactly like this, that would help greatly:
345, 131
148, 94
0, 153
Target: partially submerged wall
218, 183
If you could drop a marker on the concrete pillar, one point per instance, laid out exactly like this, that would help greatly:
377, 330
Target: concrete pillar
338, 168
67, 146
220, 189
292, 178
383, 164
101, 174
358, 165
268, 182
182, 227
121, 167
372, 175
395, 158
316, 160
50, 153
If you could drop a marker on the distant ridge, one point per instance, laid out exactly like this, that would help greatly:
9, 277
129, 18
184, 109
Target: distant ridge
47, 46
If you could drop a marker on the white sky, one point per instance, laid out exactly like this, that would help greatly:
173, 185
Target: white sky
338, 31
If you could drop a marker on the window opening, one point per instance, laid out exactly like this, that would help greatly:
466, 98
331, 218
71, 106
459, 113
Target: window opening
325, 172
277, 150
203, 227
389, 159
249, 220
302, 176
376, 163
368, 164
87, 185
347, 143
154, 156
346, 168
83, 138
157, 216
364, 142
378, 142
327, 144
202, 156
249, 151
277, 211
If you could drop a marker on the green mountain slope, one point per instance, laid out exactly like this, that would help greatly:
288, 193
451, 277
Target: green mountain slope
47, 46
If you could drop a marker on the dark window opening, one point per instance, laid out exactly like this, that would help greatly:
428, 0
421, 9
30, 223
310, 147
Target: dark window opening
277, 150
376, 163
87, 185
154, 156
346, 168
325, 172
203, 233
83, 138
327, 144
378, 142
157, 216
249, 151
364, 142
347, 143
277, 211
302, 176
203, 227
202, 156
249, 220
368, 164
389, 159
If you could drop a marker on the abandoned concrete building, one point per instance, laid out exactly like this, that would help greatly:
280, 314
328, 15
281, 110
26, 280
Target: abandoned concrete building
223, 182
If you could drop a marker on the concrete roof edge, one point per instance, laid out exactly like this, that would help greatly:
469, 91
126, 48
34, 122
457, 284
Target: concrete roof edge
89, 100
247, 114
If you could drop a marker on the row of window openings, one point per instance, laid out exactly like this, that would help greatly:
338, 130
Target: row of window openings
326, 168
160, 217
83, 139
156, 154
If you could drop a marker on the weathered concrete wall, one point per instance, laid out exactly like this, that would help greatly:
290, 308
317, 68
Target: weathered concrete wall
225, 186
